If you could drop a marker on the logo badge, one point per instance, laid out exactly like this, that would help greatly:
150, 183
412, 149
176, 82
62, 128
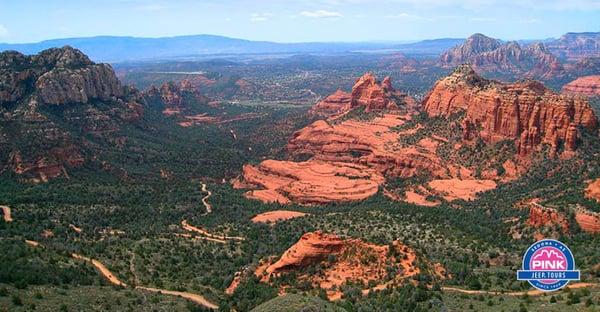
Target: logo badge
548, 265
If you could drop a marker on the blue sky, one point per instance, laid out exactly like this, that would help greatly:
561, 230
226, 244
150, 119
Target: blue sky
297, 20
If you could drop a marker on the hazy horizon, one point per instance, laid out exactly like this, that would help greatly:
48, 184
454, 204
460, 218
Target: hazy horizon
290, 21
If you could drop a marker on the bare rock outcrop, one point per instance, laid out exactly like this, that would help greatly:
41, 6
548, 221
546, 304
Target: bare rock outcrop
310, 182
588, 221
588, 86
592, 190
343, 260
367, 92
91, 99
62, 86
311, 248
526, 112
575, 46
332, 105
491, 55
540, 216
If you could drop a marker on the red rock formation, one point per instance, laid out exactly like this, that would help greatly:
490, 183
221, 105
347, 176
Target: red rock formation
540, 216
592, 191
473, 46
525, 112
371, 95
311, 248
332, 105
588, 85
575, 46
588, 221
311, 181
490, 55
342, 261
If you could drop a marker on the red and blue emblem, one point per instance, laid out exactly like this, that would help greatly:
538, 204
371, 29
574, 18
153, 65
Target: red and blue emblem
548, 265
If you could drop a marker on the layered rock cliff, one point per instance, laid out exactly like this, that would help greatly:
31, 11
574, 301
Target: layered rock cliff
540, 216
491, 55
334, 104
526, 112
588, 221
473, 46
574, 46
588, 86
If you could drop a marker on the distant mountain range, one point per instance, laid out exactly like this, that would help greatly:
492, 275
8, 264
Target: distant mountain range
118, 49
115, 49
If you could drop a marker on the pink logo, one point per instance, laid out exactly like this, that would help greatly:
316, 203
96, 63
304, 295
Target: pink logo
548, 259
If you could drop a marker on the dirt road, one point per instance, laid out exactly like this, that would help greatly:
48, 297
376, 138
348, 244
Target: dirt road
193, 297
114, 280
532, 292
205, 199
6, 213
186, 226
103, 269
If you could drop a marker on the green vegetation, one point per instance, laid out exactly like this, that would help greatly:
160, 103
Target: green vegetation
131, 216
297, 303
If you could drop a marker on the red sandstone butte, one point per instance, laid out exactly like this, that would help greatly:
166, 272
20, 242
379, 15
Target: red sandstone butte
588, 221
526, 112
588, 85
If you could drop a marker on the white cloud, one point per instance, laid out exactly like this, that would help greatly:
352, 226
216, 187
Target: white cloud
3, 31
260, 17
321, 14
409, 17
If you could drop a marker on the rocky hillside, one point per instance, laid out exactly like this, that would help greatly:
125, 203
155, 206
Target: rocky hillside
342, 260
575, 46
486, 54
48, 101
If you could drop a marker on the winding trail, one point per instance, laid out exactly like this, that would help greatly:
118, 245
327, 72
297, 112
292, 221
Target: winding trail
102, 268
186, 226
532, 292
114, 280
6, 213
192, 297
205, 199
75, 228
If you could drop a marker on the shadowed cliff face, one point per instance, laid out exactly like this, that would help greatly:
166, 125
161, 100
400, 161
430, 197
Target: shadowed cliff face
41, 94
